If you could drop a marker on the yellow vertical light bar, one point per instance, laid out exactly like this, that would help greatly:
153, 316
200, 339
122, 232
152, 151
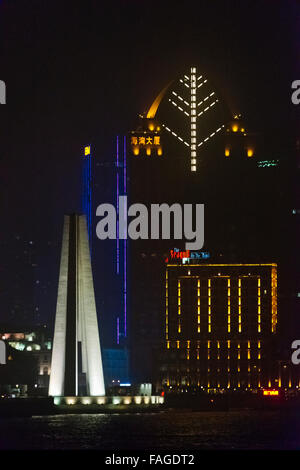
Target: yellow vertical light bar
208, 363
209, 305
193, 88
274, 298
179, 305
167, 305
198, 305
228, 305
258, 306
228, 363
240, 305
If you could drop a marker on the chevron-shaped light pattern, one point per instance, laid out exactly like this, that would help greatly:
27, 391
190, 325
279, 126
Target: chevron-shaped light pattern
194, 109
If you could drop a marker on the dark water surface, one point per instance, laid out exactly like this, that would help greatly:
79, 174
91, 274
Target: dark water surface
168, 430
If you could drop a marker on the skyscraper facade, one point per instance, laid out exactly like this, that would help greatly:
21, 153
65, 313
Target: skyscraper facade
220, 323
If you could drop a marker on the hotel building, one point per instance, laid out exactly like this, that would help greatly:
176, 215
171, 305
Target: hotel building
220, 325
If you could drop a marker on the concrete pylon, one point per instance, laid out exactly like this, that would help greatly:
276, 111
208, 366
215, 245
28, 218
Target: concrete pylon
76, 367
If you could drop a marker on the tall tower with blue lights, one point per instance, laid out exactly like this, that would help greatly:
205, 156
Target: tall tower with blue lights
121, 260
86, 202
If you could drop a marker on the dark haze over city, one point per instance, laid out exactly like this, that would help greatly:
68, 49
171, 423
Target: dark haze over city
82, 73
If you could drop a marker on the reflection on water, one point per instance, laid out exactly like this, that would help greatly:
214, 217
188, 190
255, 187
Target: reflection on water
161, 431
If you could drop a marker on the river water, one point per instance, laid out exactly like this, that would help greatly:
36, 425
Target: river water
168, 430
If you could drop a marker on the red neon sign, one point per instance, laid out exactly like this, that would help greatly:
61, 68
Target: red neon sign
178, 255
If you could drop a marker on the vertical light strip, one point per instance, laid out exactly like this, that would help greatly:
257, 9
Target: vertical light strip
167, 305
249, 364
240, 305
179, 305
125, 243
198, 306
209, 306
274, 299
258, 306
118, 193
87, 191
193, 105
228, 363
118, 330
90, 202
228, 305
208, 364
238, 364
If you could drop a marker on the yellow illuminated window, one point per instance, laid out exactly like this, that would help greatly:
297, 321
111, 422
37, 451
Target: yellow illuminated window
87, 150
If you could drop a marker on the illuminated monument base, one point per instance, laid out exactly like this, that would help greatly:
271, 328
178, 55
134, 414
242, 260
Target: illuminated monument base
113, 400
76, 368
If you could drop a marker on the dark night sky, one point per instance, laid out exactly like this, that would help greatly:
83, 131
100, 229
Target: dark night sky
81, 71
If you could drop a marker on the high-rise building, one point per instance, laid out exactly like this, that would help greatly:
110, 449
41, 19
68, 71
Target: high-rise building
220, 325
191, 146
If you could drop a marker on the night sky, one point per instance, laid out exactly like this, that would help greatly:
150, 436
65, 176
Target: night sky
77, 74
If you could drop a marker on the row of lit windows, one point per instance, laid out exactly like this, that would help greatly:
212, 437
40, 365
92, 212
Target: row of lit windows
229, 311
210, 383
230, 344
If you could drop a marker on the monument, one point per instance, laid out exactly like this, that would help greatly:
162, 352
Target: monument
76, 368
